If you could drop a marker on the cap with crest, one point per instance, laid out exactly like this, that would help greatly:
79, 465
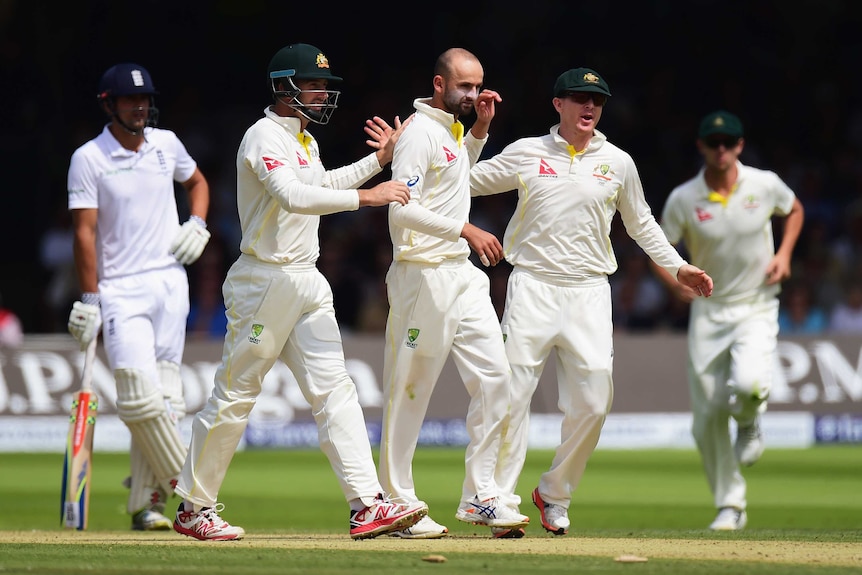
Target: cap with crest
580, 80
720, 122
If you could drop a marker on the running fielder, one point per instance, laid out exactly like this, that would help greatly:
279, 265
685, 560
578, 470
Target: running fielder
724, 218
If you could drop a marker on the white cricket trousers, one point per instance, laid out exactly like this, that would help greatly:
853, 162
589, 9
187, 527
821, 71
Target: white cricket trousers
279, 312
436, 310
569, 321
731, 349
144, 319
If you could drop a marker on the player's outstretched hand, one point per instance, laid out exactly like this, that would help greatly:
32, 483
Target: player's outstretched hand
696, 279
383, 136
384, 194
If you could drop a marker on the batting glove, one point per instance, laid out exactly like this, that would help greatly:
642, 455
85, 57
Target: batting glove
190, 241
85, 320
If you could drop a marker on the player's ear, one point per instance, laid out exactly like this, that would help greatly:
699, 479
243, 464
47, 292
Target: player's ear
558, 104
439, 83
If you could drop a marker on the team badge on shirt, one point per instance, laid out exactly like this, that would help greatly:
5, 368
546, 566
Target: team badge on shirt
601, 172
162, 163
751, 202
256, 330
412, 336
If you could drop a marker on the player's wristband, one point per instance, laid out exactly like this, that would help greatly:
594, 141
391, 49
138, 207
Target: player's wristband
90, 298
199, 221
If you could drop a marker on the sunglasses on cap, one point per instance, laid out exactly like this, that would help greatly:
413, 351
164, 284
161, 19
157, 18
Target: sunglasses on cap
715, 141
584, 97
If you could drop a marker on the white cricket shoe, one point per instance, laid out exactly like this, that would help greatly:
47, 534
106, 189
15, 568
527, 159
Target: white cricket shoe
385, 516
749, 443
426, 528
555, 518
729, 519
490, 512
150, 519
206, 524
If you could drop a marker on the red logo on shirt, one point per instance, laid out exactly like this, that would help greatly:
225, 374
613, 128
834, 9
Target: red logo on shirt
449, 155
544, 168
302, 161
702, 214
271, 164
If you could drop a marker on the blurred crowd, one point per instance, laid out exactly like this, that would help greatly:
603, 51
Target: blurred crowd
823, 295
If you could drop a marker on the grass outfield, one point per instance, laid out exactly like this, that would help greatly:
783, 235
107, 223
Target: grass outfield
805, 516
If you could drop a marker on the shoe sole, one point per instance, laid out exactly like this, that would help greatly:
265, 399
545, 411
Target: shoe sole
739, 526
540, 504
192, 533
405, 521
751, 460
429, 535
154, 527
485, 522
510, 534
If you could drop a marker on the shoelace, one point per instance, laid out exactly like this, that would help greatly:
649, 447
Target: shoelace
386, 500
487, 508
750, 432
212, 514
207, 515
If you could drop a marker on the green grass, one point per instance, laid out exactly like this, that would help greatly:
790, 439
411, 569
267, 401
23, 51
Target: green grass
794, 495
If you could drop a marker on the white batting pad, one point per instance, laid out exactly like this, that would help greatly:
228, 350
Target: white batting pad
142, 408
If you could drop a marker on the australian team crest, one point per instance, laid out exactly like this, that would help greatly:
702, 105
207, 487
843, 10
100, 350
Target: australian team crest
412, 336
256, 330
751, 202
601, 172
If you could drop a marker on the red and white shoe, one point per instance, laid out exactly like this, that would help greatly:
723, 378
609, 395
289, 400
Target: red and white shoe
206, 524
384, 516
555, 518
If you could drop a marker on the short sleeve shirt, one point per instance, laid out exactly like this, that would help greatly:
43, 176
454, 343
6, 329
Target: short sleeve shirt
732, 240
134, 193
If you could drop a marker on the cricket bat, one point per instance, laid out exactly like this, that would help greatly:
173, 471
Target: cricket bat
78, 462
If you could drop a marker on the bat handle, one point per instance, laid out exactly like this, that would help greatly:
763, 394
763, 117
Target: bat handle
89, 360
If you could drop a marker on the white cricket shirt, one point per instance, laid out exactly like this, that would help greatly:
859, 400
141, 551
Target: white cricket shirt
283, 189
134, 193
435, 163
566, 203
732, 241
